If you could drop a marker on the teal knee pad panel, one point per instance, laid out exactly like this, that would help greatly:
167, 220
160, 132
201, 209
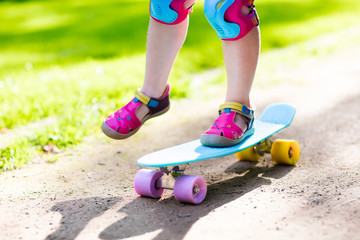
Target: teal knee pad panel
215, 14
226, 17
168, 12
160, 10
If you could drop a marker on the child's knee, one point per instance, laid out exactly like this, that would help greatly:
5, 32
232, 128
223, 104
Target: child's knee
231, 19
170, 11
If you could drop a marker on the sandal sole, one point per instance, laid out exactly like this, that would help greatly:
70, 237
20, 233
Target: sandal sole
212, 140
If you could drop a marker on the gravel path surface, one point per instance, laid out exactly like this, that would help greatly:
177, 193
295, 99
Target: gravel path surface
88, 192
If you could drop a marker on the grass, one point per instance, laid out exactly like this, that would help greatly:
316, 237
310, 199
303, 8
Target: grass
77, 61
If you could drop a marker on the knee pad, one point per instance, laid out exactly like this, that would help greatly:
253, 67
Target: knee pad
226, 18
169, 12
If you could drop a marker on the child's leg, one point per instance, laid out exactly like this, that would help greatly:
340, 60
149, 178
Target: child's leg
166, 34
163, 45
241, 57
164, 42
236, 24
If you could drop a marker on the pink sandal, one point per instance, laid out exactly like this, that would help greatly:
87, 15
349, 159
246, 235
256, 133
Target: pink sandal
224, 132
123, 123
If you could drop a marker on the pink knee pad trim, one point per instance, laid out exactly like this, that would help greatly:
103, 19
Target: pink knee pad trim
246, 22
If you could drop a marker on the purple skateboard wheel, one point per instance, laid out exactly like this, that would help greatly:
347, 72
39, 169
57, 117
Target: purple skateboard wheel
145, 183
190, 189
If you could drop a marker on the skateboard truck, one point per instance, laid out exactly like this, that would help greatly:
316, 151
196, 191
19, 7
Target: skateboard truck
187, 188
263, 147
167, 181
175, 171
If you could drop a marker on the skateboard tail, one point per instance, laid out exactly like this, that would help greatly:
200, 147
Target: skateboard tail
278, 113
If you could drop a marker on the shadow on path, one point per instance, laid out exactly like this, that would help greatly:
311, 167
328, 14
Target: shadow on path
76, 214
145, 215
175, 219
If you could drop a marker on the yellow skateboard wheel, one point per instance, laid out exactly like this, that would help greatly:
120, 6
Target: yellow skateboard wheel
285, 152
248, 154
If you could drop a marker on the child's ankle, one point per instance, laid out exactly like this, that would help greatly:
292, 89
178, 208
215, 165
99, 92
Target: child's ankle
240, 122
155, 93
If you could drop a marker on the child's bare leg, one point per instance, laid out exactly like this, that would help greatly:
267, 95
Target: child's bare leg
241, 57
163, 45
235, 22
166, 35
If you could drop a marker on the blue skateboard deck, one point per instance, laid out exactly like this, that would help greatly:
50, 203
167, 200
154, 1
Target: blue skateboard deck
273, 119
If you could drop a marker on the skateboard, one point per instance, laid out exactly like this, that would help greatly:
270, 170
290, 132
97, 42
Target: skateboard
171, 162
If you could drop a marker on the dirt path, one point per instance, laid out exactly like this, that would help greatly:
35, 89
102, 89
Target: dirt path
88, 193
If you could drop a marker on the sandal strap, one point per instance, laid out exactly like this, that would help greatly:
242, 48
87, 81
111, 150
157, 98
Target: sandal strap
155, 105
146, 100
239, 108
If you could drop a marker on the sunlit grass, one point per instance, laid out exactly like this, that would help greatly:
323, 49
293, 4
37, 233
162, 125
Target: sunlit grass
78, 61
16, 155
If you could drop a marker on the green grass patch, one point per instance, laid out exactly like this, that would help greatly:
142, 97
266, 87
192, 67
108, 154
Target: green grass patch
16, 155
77, 61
